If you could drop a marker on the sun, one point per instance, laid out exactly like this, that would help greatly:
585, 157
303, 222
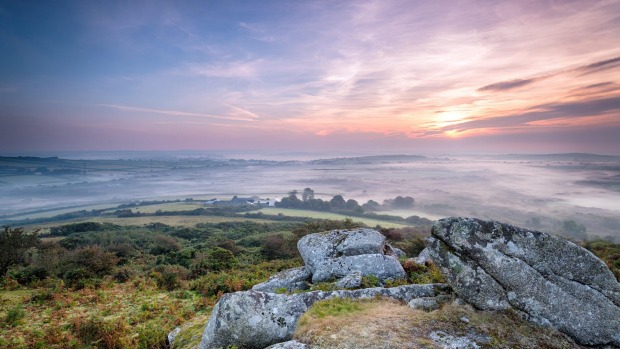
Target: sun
448, 118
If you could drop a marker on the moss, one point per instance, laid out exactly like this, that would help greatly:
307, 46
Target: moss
331, 307
369, 281
191, 333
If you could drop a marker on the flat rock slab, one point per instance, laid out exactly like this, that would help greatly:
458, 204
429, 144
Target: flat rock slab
291, 280
256, 320
316, 248
383, 267
495, 266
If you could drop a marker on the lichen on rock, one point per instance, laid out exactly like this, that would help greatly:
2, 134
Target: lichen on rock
556, 283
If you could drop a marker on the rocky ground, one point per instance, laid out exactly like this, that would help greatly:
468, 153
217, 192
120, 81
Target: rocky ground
506, 287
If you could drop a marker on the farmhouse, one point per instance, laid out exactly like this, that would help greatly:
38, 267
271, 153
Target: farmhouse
241, 201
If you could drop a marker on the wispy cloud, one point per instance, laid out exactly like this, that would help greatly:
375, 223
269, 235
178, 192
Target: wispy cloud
613, 63
176, 112
509, 85
237, 69
243, 112
569, 110
257, 33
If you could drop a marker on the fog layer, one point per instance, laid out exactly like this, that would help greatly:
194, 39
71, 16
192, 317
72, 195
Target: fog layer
534, 191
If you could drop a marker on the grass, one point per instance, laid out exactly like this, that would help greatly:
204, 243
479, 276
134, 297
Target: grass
327, 215
389, 324
55, 212
171, 206
183, 221
130, 315
191, 332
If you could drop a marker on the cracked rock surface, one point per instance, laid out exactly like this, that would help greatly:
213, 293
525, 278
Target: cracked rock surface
496, 266
338, 253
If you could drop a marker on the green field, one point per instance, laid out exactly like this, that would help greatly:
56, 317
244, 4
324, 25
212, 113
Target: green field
328, 215
56, 212
170, 206
182, 221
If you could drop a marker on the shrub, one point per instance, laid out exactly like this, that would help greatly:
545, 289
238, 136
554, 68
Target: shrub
78, 278
14, 316
277, 247
13, 246
369, 281
93, 259
216, 259
152, 336
169, 277
100, 333
422, 274
165, 244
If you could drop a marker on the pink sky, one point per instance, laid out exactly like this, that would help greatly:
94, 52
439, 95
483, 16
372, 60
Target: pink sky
364, 76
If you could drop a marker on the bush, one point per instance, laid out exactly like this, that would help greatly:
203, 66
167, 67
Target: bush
369, 281
165, 244
216, 259
108, 334
79, 278
152, 336
14, 316
169, 277
13, 245
82, 267
422, 274
277, 247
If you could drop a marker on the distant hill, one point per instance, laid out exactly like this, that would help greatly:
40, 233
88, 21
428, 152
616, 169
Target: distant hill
374, 159
580, 157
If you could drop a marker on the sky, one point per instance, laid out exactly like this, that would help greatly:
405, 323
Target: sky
410, 76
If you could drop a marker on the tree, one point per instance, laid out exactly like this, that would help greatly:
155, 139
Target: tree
13, 245
399, 202
371, 205
338, 202
307, 195
352, 205
574, 230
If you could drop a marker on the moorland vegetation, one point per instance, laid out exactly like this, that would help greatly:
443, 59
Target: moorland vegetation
107, 285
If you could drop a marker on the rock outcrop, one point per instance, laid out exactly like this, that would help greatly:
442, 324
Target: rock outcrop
336, 254
290, 280
256, 320
554, 282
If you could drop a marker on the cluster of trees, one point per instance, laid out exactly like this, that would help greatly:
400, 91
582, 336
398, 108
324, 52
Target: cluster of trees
338, 203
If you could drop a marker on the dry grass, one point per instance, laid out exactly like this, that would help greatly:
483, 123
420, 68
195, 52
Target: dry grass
131, 315
382, 323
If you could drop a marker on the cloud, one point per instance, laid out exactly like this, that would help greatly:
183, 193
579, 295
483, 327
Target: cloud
243, 112
257, 32
586, 69
598, 85
237, 69
509, 85
543, 112
601, 65
178, 113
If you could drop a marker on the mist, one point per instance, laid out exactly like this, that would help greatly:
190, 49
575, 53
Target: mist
536, 191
